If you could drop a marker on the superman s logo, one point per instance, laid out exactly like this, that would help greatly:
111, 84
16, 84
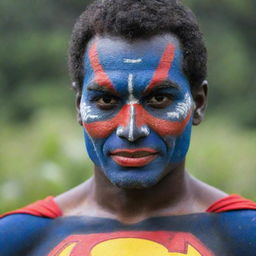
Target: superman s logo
131, 243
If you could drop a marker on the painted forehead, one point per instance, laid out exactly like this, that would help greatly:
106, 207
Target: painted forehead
139, 54
110, 61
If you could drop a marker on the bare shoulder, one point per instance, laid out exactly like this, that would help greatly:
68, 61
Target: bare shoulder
205, 194
72, 200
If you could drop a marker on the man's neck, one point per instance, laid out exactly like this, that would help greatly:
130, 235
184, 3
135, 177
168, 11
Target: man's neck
172, 195
177, 193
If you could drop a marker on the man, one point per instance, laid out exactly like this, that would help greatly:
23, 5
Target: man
139, 71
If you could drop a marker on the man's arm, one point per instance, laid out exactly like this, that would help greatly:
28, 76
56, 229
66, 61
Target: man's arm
239, 231
20, 232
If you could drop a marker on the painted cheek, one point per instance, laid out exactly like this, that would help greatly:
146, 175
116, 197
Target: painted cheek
102, 129
160, 126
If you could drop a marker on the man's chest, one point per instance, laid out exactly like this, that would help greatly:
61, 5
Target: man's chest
195, 235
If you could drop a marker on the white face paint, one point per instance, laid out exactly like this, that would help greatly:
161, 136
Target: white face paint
182, 108
86, 113
132, 99
131, 124
133, 61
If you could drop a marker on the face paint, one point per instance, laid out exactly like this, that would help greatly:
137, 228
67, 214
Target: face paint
136, 108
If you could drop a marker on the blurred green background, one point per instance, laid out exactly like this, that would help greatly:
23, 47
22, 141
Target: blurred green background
41, 149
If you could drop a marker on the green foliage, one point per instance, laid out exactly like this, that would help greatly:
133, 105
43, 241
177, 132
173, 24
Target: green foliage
229, 29
34, 43
43, 158
223, 155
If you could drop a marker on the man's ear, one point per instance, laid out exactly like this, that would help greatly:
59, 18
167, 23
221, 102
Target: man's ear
200, 99
78, 112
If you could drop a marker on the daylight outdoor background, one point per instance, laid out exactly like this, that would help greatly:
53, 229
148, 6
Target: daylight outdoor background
41, 146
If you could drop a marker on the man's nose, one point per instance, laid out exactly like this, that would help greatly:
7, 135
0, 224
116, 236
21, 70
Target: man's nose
134, 128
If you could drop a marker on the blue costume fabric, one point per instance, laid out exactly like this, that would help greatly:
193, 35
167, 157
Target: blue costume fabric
230, 232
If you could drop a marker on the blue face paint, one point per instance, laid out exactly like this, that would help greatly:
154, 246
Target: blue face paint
136, 108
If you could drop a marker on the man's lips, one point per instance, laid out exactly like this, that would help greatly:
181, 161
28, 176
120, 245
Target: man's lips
134, 157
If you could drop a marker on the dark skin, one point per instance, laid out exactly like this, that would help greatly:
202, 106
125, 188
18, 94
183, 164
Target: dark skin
178, 193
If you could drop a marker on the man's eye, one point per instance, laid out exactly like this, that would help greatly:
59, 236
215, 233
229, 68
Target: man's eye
107, 102
159, 101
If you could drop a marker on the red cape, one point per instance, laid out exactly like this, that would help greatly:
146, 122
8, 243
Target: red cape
42, 208
232, 203
49, 209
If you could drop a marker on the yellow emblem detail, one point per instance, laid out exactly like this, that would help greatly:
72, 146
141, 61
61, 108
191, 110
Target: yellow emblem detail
136, 247
67, 251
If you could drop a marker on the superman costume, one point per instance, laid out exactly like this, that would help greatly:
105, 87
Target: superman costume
228, 228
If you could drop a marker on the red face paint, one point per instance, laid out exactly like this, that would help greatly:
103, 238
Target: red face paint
101, 78
102, 129
163, 68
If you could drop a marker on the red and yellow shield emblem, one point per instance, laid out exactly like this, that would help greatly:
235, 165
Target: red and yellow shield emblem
132, 243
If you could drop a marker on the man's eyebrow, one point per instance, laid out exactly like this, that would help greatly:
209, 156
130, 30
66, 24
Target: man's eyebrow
96, 87
163, 85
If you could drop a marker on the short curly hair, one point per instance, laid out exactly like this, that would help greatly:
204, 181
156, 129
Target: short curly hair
134, 19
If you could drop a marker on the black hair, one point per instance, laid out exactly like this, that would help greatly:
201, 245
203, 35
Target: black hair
136, 19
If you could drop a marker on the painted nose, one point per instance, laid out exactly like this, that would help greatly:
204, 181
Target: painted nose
132, 131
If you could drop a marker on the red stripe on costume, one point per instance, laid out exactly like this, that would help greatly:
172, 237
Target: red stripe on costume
42, 208
163, 68
232, 203
101, 77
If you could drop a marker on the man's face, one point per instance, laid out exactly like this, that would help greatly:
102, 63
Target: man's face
136, 108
